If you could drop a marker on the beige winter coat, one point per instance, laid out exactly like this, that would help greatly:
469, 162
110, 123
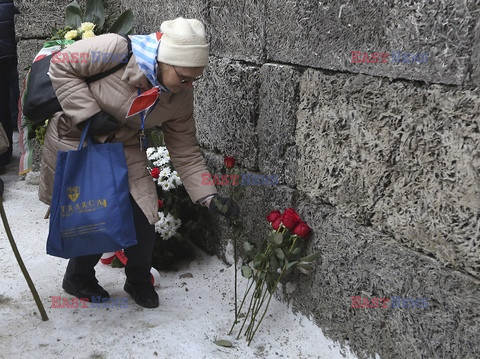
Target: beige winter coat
114, 94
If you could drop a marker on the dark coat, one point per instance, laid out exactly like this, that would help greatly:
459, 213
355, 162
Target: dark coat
8, 44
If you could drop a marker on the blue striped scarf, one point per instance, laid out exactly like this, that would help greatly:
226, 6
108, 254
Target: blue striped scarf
145, 49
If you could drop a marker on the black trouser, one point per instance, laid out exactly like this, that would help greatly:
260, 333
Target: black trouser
139, 256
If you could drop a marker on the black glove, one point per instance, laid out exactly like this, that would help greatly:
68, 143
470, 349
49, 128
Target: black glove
224, 206
102, 124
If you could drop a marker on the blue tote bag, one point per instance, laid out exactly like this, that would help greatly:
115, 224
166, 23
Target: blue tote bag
91, 212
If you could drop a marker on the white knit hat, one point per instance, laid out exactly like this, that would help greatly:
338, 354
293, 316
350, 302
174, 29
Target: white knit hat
183, 43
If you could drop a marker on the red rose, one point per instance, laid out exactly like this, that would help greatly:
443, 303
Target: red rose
155, 172
160, 203
302, 230
273, 215
228, 162
290, 218
276, 223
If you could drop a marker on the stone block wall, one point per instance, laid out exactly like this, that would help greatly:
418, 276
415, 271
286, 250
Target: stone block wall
380, 158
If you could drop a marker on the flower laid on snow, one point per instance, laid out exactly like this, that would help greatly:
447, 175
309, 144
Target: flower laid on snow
167, 226
268, 264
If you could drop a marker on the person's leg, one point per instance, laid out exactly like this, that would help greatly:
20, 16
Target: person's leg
139, 256
79, 279
82, 266
139, 262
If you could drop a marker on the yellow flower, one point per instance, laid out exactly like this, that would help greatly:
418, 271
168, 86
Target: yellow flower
72, 34
87, 26
88, 34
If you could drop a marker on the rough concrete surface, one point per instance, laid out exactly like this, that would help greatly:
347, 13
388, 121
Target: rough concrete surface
359, 261
279, 91
475, 60
26, 50
150, 14
323, 35
36, 19
400, 156
226, 110
238, 29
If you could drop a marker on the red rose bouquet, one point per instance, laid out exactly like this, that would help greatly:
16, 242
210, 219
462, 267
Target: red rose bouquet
269, 263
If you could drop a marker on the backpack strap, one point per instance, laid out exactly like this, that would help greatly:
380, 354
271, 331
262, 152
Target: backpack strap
115, 68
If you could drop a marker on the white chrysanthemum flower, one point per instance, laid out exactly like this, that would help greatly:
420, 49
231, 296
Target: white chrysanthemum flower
151, 151
167, 226
166, 186
161, 162
167, 179
178, 181
165, 172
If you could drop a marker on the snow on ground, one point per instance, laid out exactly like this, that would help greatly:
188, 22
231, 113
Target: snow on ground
195, 310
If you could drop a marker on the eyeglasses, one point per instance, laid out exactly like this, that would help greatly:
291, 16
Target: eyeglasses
186, 81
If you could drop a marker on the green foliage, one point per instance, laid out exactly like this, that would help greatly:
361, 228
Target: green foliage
40, 132
73, 15
94, 13
223, 343
124, 23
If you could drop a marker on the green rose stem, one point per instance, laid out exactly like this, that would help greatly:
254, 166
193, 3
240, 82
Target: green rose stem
253, 317
259, 296
248, 311
259, 303
253, 300
249, 286
235, 260
260, 277
293, 244
237, 192
255, 312
250, 337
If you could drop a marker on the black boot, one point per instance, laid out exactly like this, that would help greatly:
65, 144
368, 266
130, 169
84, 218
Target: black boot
84, 287
142, 293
